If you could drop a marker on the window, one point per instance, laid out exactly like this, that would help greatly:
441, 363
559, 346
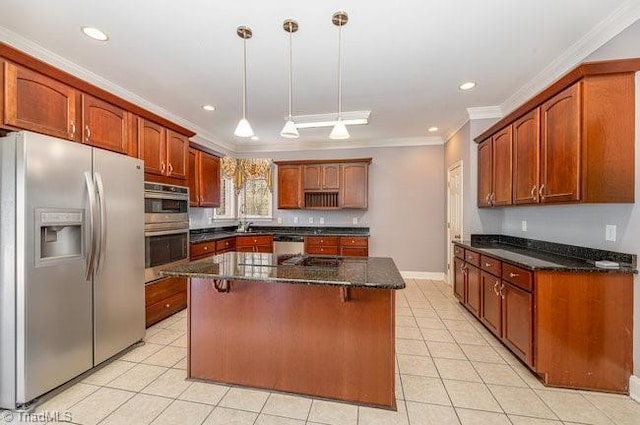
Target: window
255, 200
227, 208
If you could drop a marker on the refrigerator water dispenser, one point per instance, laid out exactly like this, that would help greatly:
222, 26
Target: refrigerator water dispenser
58, 235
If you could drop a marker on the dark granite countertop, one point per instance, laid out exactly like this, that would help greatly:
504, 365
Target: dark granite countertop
364, 272
205, 235
550, 256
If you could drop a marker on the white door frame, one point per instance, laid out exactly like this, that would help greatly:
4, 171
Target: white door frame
450, 231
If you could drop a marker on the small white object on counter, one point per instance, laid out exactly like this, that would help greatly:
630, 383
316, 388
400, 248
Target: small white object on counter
607, 264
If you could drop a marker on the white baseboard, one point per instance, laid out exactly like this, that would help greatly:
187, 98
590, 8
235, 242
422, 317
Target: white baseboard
634, 388
423, 275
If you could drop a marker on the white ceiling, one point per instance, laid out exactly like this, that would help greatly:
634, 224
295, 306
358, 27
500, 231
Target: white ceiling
403, 60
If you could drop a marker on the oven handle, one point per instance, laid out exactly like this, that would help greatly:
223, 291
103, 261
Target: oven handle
165, 195
166, 232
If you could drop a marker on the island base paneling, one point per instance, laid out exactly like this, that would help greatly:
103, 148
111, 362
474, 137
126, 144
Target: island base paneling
322, 341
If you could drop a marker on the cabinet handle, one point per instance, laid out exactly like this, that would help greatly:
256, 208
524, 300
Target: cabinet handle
87, 131
170, 168
495, 288
541, 191
534, 193
162, 167
73, 129
464, 268
487, 264
501, 291
513, 275
488, 198
492, 198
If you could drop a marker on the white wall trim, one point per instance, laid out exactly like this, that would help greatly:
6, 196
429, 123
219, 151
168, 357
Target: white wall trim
423, 275
605, 30
485, 112
634, 388
456, 129
328, 144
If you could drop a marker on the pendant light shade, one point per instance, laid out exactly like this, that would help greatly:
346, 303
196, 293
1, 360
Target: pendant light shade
290, 131
243, 128
339, 131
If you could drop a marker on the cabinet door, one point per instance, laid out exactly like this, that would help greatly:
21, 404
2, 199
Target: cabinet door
177, 149
473, 289
526, 158
355, 185
311, 177
331, 177
289, 186
485, 173
502, 177
491, 311
517, 309
152, 146
193, 181
209, 180
104, 125
560, 142
38, 103
459, 279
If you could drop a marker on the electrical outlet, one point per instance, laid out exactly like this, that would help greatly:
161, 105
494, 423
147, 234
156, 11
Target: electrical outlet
524, 225
279, 220
355, 220
310, 220
210, 220
321, 220
610, 232
295, 220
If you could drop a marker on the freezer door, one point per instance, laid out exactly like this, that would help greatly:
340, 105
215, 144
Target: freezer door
119, 275
53, 298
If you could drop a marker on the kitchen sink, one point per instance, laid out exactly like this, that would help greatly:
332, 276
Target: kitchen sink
312, 261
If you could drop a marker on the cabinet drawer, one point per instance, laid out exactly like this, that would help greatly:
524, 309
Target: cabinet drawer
360, 241
458, 251
518, 276
322, 240
224, 245
157, 291
165, 308
254, 240
491, 265
472, 257
349, 251
322, 250
202, 250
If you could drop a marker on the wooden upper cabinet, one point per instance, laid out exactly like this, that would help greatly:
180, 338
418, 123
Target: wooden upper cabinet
38, 103
312, 175
209, 181
104, 125
289, 186
502, 178
526, 158
177, 148
152, 146
485, 173
192, 180
331, 177
321, 177
560, 147
355, 185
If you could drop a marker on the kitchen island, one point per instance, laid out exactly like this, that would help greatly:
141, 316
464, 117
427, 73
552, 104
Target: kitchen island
313, 325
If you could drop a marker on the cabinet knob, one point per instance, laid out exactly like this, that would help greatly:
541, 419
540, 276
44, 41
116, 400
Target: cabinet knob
321, 249
321, 240
487, 264
226, 244
513, 275
353, 241
206, 248
167, 305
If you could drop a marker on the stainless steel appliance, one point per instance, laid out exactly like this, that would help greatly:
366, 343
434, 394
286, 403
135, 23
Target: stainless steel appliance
166, 227
288, 244
71, 261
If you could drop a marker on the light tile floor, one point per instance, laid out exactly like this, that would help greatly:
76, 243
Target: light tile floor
450, 371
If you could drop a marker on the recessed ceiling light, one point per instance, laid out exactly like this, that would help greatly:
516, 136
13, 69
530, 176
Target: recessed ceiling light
255, 138
208, 107
95, 33
432, 129
467, 86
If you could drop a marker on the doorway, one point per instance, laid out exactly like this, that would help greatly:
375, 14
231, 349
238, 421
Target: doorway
454, 213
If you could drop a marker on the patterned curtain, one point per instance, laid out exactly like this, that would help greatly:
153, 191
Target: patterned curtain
242, 170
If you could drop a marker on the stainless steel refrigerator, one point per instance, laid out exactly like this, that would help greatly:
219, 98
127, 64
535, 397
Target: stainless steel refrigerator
71, 261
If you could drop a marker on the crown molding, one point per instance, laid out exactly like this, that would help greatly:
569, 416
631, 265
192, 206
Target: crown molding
456, 129
605, 30
485, 112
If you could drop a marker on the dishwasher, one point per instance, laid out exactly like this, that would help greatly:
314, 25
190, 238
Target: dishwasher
288, 244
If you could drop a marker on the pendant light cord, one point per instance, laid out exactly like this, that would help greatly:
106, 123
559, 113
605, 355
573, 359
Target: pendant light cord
244, 77
290, 69
340, 72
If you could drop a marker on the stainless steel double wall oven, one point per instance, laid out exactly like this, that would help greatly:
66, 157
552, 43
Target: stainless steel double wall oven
166, 227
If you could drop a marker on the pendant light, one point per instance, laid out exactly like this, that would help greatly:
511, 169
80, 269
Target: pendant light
339, 131
244, 128
290, 130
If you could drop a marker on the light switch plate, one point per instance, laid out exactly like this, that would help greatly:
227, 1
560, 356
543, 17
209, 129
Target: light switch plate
355, 220
524, 225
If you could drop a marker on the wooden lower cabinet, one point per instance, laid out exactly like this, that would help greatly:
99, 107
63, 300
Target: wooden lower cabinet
349, 246
164, 297
473, 290
491, 312
517, 321
459, 279
255, 243
200, 250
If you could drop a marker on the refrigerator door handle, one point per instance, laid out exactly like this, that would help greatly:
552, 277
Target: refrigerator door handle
102, 246
91, 255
